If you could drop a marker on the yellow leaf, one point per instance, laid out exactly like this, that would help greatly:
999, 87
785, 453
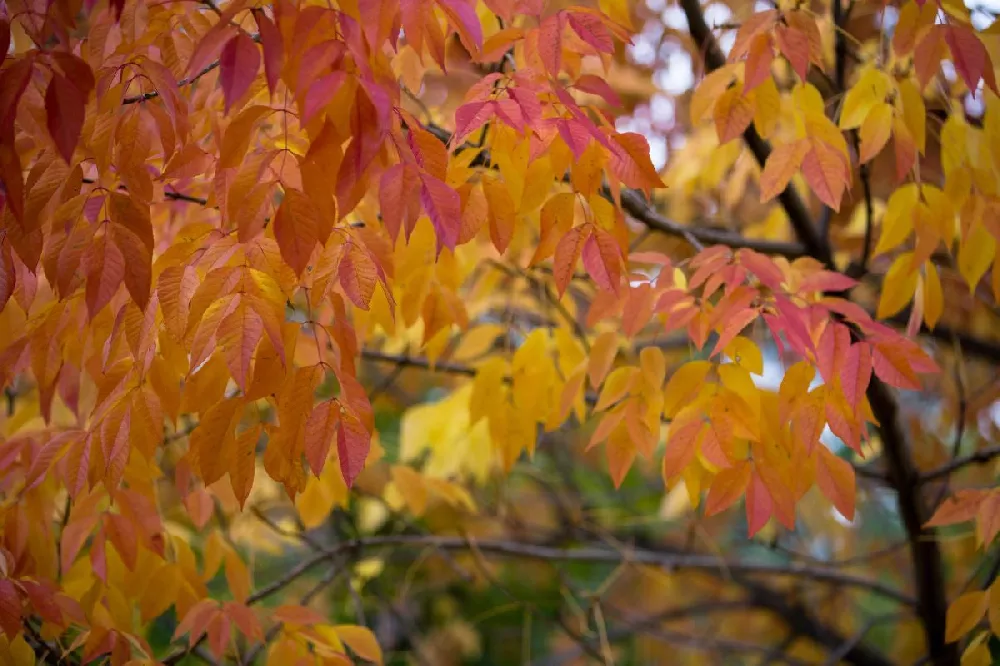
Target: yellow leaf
993, 612
511, 434
954, 143
914, 112
897, 223
978, 652
963, 614
654, 367
361, 641
618, 10
708, 91
736, 378
746, 354
487, 388
620, 451
898, 287
411, 486
684, 386
237, 577
617, 384
871, 89
975, 255
766, 107
875, 131
933, 296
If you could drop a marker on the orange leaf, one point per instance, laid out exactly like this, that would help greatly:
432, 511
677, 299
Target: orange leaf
835, 478
566, 255
875, 131
964, 614
825, 171
733, 114
727, 487
781, 165
296, 228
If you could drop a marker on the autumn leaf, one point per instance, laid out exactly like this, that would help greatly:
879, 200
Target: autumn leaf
64, 109
238, 67
296, 228
783, 163
964, 613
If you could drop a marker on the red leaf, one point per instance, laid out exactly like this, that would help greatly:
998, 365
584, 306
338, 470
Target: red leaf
238, 67
274, 48
462, 16
595, 85
444, 207
567, 253
42, 598
470, 117
856, 374
353, 444
826, 281
209, 47
602, 259
10, 608
7, 274
398, 200
794, 45
64, 110
758, 503
321, 93
322, 426
758, 64
972, 61
4, 38
13, 82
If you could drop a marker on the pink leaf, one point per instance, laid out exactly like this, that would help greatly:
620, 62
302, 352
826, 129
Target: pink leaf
444, 207
592, 31
595, 85
550, 43
238, 67
274, 48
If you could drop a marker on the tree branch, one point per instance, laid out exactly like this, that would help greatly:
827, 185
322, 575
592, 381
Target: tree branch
594, 554
926, 556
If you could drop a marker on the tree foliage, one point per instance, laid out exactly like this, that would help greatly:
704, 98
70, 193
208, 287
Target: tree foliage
290, 289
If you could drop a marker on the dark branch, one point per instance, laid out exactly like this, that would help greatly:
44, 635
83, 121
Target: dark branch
926, 556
